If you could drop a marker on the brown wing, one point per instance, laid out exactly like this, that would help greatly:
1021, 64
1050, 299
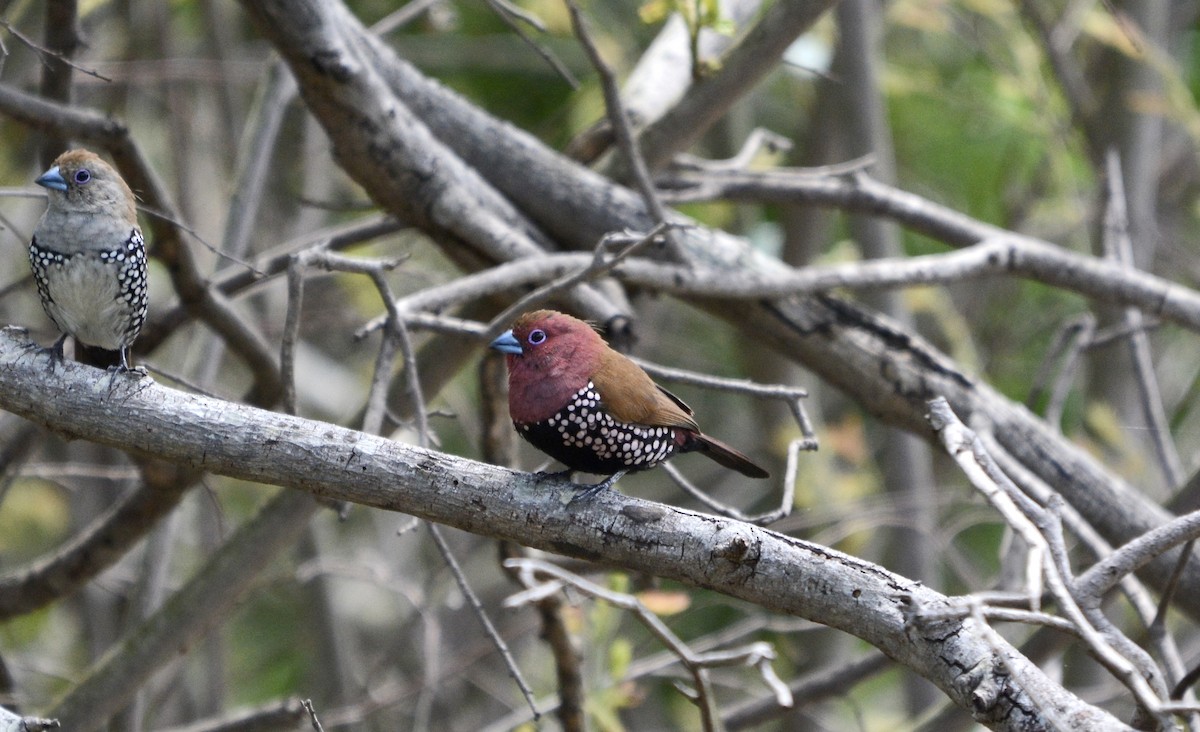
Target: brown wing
630, 395
678, 402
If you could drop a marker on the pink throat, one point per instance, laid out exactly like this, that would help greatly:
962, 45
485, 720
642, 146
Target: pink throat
537, 390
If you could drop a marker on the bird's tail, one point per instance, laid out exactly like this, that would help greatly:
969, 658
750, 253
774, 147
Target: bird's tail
729, 457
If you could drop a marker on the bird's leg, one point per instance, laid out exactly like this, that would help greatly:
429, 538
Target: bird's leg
55, 351
588, 491
124, 367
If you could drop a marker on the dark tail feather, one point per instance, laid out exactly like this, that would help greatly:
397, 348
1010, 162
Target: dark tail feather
729, 457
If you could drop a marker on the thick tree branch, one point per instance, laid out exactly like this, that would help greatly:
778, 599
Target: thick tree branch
1104, 281
412, 174
774, 571
887, 368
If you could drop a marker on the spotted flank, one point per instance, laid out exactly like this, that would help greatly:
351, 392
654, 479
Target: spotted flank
98, 296
585, 436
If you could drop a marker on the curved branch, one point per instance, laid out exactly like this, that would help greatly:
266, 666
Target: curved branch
402, 165
887, 368
100, 545
1019, 256
760, 566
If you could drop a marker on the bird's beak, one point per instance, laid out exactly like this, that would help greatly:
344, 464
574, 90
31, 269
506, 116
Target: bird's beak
52, 179
508, 343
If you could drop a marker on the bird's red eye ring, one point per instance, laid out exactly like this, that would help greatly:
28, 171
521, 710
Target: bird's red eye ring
536, 336
83, 176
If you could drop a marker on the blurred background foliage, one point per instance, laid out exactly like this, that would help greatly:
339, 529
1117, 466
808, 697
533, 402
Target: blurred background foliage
365, 618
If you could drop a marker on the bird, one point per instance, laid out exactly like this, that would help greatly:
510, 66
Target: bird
88, 255
593, 409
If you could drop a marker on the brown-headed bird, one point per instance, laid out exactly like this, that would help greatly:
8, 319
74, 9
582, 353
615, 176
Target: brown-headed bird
88, 255
594, 410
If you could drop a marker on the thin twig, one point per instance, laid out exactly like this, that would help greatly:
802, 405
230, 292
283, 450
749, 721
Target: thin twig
1137, 670
1072, 339
398, 332
319, 257
1127, 559
781, 392
291, 331
967, 606
484, 619
376, 409
834, 680
41, 51
758, 140
507, 11
1118, 247
1006, 254
278, 89
786, 500
602, 262
568, 664
533, 572
177, 223
1084, 588
1042, 531
619, 119
412, 381
312, 715
761, 139
403, 16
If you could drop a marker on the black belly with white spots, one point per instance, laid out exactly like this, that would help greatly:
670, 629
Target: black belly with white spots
584, 437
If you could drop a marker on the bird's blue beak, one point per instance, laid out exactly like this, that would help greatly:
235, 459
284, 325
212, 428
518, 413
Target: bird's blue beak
508, 343
52, 179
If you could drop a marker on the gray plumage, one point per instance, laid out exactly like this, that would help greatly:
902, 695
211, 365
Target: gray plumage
88, 256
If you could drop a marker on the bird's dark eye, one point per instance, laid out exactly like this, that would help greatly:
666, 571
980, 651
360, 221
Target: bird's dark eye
537, 336
82, 176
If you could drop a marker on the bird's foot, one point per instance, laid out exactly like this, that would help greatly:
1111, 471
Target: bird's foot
586, 492
55, 352
123, 366
139, 372
118, 374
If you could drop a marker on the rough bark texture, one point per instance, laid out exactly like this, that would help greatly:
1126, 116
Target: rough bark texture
751, 563
886, 367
